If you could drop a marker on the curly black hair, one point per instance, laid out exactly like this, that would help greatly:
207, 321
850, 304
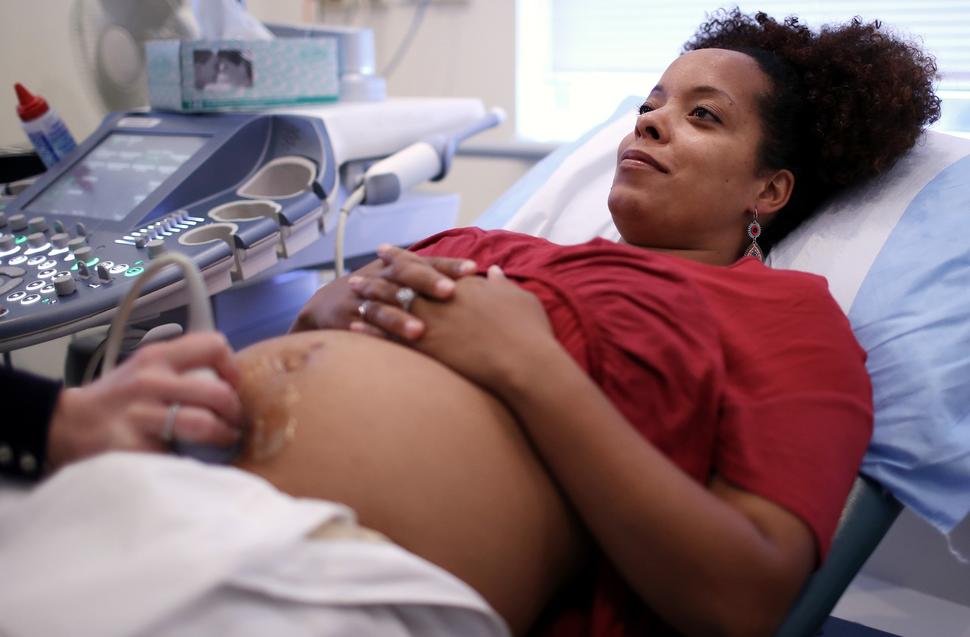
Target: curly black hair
847, 101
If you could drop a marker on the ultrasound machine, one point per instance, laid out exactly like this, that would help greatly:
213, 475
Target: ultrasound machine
243, 195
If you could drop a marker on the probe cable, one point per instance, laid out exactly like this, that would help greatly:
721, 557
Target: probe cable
355, 198
200, 312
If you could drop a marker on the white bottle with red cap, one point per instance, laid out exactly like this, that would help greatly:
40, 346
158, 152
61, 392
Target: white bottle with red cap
43, 126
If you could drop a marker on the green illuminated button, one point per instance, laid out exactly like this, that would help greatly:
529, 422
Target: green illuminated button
93, 261
138, 262
135, 271
20, 239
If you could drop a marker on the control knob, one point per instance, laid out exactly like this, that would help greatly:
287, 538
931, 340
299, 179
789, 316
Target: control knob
59, 226
81, 230
83, 254
60, 239
76, 243
64, 285
3, 219
38, 224
18, 222
103, 275
36, 240
155, 248
6, 242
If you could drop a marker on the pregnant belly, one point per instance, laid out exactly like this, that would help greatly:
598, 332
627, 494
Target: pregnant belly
422, 455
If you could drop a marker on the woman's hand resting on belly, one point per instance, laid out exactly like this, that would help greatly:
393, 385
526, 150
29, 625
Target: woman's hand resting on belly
477, 326
341, 303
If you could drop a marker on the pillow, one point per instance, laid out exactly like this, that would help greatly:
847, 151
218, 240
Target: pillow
896, 253
563, 197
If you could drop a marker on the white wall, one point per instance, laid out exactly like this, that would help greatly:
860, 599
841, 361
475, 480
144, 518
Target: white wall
36, 50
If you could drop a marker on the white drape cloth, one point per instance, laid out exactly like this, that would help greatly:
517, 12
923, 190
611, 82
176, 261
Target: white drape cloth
139, 544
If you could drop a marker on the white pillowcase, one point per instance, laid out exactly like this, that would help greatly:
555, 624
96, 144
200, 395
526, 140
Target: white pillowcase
896, 253
563, 197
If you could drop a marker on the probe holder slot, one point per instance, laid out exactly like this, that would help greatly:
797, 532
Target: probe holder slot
294, 235
221, 232
280, 178
240, 211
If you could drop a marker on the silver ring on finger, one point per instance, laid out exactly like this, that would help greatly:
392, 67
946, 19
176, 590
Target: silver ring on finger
405, 297
362, 309
168, 427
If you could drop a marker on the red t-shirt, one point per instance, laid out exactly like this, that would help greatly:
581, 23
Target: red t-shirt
743, 371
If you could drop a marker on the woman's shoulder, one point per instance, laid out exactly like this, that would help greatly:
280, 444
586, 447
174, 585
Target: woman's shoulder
774, 303
794, 289
748, 278
484, 245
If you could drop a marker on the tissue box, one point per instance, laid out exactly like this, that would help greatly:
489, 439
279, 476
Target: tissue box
198, 75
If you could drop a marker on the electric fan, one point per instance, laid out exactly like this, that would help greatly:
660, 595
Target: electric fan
109, 37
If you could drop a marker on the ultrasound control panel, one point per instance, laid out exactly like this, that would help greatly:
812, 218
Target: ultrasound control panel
235, 192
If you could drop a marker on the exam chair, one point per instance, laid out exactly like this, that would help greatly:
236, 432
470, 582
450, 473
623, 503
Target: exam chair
896, 254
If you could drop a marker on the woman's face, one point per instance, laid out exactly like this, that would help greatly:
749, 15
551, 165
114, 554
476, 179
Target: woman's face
687, 176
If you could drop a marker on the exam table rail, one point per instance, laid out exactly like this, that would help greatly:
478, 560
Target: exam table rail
869, 512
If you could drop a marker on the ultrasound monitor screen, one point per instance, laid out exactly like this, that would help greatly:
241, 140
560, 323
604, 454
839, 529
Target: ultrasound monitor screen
116, 175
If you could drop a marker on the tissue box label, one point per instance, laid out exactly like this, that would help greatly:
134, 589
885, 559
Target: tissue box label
216, 74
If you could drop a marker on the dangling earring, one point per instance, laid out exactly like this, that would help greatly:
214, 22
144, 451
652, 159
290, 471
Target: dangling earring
754, 231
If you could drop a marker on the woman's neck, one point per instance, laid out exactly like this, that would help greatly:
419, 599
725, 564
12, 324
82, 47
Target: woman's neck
701, 255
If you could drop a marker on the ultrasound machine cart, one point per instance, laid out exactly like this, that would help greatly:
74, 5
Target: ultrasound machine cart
241, 194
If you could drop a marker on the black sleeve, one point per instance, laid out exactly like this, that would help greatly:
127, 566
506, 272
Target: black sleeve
28, 403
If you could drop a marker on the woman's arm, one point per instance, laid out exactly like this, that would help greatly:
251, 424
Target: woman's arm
714, 560
710, 561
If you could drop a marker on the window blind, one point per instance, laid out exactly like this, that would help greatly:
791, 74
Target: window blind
627, 35
574, 52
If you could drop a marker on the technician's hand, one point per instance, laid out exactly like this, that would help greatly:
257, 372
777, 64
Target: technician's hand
127, 409
367, 301
491, 332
